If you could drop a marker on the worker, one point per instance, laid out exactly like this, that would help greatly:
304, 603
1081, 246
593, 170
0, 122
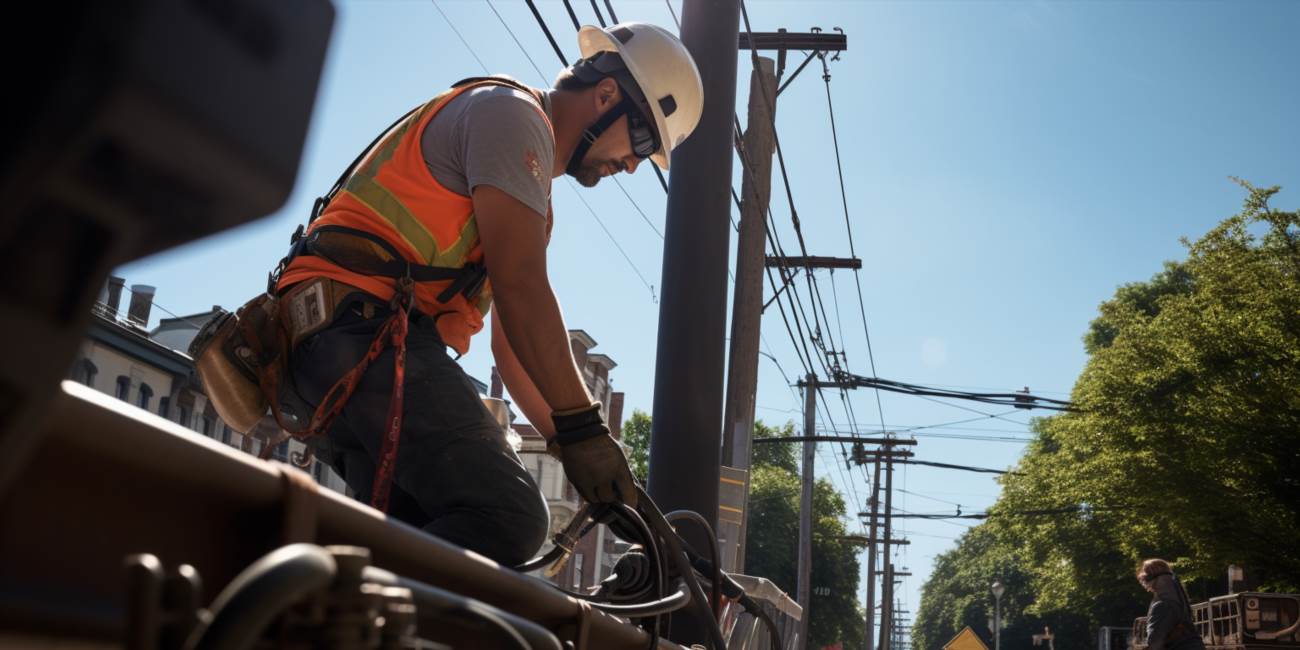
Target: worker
447, 214
1170, 625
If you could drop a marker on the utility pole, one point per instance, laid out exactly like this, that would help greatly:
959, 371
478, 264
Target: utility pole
887, 585
805, 507
686, 431
869, 639
747, 309
756, 149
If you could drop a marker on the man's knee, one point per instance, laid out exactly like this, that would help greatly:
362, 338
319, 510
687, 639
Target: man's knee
510, 535
525, 528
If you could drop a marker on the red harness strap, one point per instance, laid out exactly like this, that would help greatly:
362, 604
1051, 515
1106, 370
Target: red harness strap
392, 332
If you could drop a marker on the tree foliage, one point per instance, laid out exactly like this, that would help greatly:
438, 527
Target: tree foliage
1185, 444
636, 436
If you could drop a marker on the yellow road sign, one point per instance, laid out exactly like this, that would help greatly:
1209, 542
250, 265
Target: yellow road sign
965, 640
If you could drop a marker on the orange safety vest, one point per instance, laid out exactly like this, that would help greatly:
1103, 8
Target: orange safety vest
393, 195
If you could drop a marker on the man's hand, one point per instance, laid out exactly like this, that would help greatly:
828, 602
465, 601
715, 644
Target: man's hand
593, 461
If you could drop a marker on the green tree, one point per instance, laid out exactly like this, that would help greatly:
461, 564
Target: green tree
1185, 445
636, 435
775, 455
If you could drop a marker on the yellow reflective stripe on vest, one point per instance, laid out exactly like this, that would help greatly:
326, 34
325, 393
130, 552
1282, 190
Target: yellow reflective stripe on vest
363, 187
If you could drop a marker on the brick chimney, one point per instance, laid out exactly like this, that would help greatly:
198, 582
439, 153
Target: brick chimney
114, 300
616, 415
495, 391
141, 304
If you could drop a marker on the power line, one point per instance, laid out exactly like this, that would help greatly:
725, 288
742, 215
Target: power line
608, 234
462, 38
848, 227
630, 263
520, 45
1021, 400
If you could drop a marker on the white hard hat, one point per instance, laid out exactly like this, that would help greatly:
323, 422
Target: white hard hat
663, 69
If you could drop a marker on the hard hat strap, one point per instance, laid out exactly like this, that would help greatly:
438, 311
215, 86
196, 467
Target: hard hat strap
593, 132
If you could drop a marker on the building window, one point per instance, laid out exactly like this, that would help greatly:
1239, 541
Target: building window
123, 387
318, 470
281, 452
164, 406
225, 433
86, 372
146, 394
185, 416
209, 424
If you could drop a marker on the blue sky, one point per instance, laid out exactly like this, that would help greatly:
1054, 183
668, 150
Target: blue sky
1008, 165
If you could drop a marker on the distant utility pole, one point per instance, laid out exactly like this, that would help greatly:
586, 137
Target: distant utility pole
869, 637
888, 455
887, 585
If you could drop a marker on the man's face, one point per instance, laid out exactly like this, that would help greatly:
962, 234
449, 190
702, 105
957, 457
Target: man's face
610, 154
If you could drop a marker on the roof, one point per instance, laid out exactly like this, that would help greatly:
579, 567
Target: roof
177, 333
582, 337
602, 360
135, 342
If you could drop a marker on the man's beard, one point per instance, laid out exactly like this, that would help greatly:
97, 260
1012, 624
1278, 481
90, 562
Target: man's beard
589, 175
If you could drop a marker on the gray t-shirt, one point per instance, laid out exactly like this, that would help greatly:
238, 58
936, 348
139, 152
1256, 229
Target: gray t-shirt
493, 135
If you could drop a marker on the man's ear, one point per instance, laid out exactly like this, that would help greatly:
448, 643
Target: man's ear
607, 94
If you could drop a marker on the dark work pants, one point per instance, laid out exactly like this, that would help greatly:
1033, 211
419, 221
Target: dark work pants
456, 476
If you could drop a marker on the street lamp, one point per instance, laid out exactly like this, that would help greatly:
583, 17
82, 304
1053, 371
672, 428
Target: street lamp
998, 589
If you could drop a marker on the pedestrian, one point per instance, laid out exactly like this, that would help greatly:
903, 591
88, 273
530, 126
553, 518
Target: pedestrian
1170, 625
447, 215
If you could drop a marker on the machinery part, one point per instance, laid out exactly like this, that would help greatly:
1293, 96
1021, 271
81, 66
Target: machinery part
162, 609
244, 609
434, 605
564, 541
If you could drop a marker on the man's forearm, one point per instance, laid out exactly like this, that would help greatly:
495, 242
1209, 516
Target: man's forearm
521, 387
534, 329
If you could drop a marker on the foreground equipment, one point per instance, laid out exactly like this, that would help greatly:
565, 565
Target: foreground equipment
127, 525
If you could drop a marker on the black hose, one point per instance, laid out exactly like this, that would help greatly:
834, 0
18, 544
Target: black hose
655, 552
261, 592
657, 523
434, 603
542, 560
674, 602
716, 573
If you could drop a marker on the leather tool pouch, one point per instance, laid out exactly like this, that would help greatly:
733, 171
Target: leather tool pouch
232, 353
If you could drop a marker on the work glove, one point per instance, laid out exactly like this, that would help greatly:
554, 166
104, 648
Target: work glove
593, 460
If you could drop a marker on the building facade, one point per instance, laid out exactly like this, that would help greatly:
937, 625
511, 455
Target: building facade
150, 370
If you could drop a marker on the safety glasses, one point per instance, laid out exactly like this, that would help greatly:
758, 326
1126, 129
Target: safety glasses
642, 134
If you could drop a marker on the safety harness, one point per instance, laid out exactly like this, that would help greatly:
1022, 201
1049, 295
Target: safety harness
467, 280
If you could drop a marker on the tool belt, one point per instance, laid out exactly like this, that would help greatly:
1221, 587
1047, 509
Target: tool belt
243, 358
